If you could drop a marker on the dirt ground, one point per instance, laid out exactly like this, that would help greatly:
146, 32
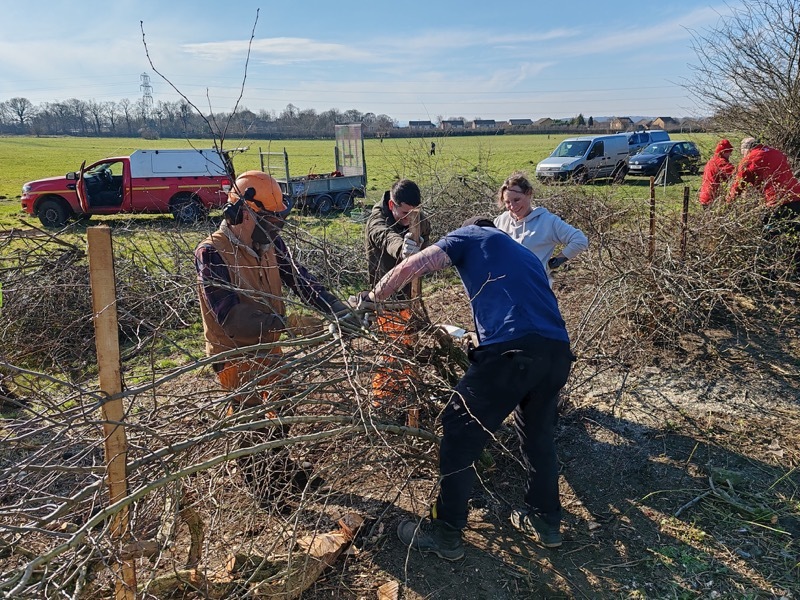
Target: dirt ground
672, 488
677, 481
674, 484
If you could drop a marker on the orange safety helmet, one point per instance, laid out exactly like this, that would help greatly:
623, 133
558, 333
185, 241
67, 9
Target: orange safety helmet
267, 195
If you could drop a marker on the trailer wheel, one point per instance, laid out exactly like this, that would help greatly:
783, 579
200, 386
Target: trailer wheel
343, 201
187, 210
52, 213
323, 205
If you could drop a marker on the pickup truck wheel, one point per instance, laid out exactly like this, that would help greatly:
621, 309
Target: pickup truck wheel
52, 213
187, 210
343, 201
324, 204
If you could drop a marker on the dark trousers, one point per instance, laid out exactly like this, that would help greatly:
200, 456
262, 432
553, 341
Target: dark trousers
523, 376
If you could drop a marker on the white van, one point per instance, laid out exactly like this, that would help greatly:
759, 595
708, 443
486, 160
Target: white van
581, 159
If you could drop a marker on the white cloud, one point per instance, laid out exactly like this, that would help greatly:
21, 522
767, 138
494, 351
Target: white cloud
279, 51
650, 37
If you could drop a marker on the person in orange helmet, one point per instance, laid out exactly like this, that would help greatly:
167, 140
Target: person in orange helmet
241, 270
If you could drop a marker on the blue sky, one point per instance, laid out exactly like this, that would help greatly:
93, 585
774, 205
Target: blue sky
409, 60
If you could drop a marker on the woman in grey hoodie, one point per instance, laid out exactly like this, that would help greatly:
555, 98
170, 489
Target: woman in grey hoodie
539, 230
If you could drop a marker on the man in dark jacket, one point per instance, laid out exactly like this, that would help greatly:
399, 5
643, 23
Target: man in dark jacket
522, 362
388, 241
387, 236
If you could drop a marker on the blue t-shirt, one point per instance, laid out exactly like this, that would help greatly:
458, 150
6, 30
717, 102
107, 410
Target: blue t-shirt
506, 284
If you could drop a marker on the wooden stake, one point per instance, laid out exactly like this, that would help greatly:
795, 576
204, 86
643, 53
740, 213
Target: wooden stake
412, 418
104, 306
684, 221
417, 308
651, 249
416, 283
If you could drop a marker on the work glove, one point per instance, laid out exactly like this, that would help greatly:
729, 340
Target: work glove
345, 321
361, 302
303, 325
410, 246
556, 262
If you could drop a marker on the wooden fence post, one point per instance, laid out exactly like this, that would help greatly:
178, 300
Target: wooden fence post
651, 248
417, 308
104, 307
416, 283
684, 221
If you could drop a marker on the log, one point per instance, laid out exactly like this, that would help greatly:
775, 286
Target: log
197, 534
322, 550
140, 549
389, 591
251, 566
350, 524
192, 519
174, 581
185, 580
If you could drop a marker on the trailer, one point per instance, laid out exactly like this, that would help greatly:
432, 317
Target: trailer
323, 193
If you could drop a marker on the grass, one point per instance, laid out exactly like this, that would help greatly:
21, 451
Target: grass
27, 158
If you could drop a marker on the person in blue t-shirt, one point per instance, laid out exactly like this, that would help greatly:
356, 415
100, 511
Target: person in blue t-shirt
522, 362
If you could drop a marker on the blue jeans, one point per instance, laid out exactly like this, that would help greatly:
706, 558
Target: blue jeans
523, 376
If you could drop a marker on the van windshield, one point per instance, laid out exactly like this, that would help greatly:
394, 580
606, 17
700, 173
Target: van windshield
572, 148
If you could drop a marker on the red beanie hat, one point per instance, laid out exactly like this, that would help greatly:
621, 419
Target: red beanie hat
722, 146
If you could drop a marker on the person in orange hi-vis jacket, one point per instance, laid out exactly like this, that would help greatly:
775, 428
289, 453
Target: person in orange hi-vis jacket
241, 270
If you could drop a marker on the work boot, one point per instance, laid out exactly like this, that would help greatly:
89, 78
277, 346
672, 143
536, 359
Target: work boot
432, 535
547, 535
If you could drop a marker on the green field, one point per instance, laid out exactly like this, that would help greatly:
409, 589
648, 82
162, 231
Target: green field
27, 158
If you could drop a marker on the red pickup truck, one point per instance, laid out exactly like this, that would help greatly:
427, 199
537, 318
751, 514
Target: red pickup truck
186, 183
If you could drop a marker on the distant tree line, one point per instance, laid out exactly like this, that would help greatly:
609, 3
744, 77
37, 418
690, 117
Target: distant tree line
175, 120
19, 116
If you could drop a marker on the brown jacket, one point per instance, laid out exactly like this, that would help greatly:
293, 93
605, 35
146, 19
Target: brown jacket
257, 282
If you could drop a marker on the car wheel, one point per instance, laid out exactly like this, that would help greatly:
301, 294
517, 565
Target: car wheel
619, 174
52, 213
580, 176
324, 205
187, 210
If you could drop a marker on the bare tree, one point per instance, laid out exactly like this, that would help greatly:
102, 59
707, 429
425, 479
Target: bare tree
110, 109
127, 112
748, 71
5, 113
97, 110
22, 108
80, 114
